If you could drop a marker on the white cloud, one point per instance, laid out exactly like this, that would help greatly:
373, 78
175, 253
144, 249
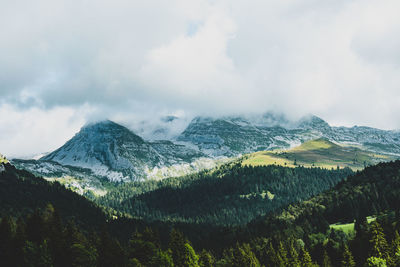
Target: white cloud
336, 59
33, 131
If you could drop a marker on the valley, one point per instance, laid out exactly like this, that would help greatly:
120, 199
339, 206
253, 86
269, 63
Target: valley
229, 191
302, 228
229, 195
206, 133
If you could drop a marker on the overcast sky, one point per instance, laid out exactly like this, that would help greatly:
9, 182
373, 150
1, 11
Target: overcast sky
64, 63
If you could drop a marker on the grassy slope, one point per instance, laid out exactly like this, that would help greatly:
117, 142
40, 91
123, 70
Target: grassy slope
3, 159
348, 228
319, 153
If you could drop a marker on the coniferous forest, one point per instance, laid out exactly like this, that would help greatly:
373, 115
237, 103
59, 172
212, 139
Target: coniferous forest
229, 195
355, 223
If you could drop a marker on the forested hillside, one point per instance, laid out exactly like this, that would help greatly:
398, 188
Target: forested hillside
21, 193
298, 235
230, 195
64, 233
372, 191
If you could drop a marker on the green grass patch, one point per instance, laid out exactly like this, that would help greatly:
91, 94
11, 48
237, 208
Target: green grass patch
348, 228
3, 159
317, 153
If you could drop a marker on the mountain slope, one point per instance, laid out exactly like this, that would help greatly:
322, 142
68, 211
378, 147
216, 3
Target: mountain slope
229, 195
231, 136
81, 180
113, 151
317, 153
372, 191
21, 193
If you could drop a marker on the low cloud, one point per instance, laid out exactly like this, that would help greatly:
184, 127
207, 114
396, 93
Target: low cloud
133, 61
33, 131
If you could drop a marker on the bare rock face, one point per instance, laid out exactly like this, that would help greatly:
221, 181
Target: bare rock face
109, 150
230, 136
113, 151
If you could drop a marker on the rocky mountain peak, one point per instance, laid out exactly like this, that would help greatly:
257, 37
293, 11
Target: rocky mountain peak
313, 122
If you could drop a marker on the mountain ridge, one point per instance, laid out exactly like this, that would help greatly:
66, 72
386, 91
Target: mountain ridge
220, 136
112, 150
115, 152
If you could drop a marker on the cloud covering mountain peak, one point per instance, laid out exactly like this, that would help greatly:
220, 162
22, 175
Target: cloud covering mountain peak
130, 61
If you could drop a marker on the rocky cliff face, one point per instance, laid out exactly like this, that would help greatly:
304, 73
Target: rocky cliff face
231, 136
111, 150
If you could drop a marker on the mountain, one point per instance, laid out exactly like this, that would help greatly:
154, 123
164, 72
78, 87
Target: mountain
107, 150
230, 136
113, 151
81, 180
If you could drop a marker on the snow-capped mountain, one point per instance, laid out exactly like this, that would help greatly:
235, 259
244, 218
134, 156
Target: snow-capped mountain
113, 151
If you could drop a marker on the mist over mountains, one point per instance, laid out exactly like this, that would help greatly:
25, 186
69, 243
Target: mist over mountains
114, 152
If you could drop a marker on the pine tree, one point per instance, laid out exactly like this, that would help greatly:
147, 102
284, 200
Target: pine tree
293, 256
56, 236
177, 246
348, 260
141, 249
326, 261
190, 257
162, 259
182, 252
375, 262
83, 256
360, 244
305, 260
282, 254
244, 256
395, 251
273, 258
379, 245
206, 259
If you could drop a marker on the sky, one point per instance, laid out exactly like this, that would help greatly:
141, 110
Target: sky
64, 63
